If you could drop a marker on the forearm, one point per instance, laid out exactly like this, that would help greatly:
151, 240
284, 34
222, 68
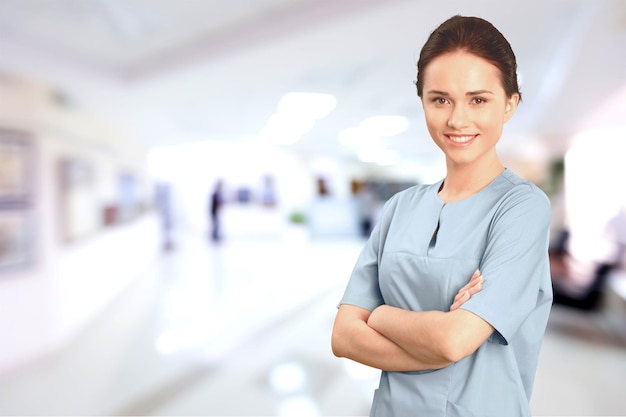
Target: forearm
394, 339
423, 335
353, 339
432, 337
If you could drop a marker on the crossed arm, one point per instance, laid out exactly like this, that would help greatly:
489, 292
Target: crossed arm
393, 339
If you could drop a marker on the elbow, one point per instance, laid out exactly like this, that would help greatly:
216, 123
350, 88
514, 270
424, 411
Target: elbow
458, 339
342, 342
347, 331
452, 349
337, 351
451, 354
336, 345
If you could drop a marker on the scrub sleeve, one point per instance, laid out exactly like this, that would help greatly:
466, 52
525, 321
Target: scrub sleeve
503, 230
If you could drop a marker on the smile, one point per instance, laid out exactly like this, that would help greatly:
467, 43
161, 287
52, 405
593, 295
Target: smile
461, 139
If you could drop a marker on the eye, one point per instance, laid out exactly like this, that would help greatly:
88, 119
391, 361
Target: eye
478, 100
440, 100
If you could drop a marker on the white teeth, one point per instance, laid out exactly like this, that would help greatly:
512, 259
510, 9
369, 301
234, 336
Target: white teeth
461, 139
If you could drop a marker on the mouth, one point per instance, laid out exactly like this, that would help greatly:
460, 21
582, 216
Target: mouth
461, 140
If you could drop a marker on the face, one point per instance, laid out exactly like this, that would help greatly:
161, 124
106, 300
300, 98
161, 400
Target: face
465, 107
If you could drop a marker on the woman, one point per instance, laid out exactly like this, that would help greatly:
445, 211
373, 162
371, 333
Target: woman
451, 295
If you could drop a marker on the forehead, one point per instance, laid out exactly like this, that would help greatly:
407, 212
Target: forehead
461, 71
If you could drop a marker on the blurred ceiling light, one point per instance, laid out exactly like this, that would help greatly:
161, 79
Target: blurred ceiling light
355, 136
387, 157
384, 125
296, 124
366, 138
284, 129
377, 155
296, 116
367, 155
315, 105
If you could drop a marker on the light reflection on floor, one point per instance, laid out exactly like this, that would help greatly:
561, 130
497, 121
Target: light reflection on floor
244, 329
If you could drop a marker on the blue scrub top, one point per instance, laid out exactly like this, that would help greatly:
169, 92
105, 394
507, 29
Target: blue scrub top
422, 251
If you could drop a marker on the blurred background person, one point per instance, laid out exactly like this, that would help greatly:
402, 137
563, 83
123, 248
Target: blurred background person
216, 203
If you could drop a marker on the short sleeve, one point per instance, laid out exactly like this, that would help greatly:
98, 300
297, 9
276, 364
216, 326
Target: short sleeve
363, 289
515, 264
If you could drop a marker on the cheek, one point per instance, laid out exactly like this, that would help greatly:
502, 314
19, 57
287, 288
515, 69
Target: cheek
435, 119
434, 126
493, 120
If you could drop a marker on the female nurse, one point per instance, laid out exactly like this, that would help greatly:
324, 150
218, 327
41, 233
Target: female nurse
451, 295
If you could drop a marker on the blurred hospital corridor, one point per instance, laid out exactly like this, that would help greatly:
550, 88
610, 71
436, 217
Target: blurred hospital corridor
243, 328
185, 187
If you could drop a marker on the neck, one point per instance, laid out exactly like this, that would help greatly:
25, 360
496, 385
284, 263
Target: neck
466, 180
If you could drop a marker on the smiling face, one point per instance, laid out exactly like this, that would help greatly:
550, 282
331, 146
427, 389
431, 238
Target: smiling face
465, 106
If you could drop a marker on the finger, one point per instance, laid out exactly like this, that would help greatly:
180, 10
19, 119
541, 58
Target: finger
475, 275
472, 280
469, 289
468, 285
463, 292
464, 289
458, 298
457, 304
475, 289
477, 282
462, 297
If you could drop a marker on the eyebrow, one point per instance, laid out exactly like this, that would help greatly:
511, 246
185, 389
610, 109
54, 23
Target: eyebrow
469, 93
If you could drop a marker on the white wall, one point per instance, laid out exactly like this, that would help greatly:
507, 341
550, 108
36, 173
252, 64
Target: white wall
43, 304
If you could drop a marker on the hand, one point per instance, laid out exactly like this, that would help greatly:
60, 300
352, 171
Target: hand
474, 285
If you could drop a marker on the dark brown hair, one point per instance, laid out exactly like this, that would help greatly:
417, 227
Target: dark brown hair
475, 36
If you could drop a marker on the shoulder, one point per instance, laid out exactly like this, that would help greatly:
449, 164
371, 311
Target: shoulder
523, 188
520, 194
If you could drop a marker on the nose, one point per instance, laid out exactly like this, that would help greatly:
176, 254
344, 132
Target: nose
458, 117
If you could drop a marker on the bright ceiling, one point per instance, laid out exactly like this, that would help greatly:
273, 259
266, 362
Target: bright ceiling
172, 71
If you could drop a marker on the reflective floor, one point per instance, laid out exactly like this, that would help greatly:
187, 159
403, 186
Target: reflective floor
243, 328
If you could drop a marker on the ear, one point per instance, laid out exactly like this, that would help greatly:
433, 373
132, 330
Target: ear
510, 106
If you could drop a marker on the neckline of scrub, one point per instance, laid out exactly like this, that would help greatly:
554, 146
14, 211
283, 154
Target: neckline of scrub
437, 186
